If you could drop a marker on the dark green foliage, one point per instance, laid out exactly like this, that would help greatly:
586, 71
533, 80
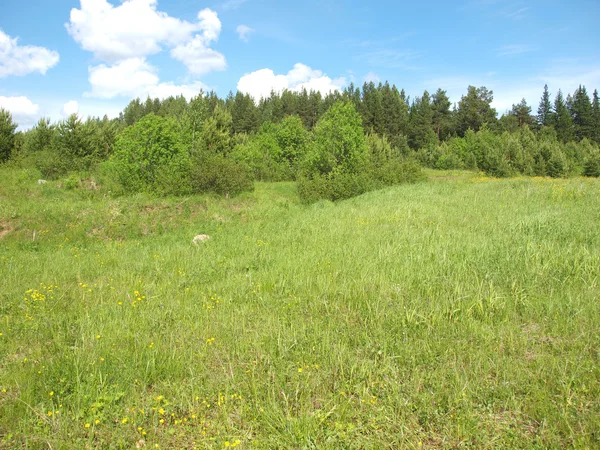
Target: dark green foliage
244, 114
421, 126
221, 175
596, 117
474, 109
544, 113
334, 185
7, 135
511, 153
442, 115
583, 115
563, 123
372, 108
522, 112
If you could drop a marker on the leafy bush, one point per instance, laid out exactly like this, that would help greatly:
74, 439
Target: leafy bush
397, 171
335, 185
218, 174
149, 156
339, 142
591, 167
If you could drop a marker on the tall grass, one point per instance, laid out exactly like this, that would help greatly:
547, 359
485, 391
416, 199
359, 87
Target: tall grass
459, 312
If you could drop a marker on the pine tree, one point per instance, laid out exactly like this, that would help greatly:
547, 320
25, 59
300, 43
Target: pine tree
442, 116
395, 114
421, 120
315, 102
522, 112
563, 123
544, 116
372, 108
596, 116
474, 109
583, 116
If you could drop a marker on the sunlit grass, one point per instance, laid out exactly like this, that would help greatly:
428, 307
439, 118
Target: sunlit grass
460, 311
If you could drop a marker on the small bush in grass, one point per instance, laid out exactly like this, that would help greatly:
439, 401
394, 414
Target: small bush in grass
218, 174
591, 167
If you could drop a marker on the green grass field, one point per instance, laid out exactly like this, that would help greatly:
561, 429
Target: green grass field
459, 312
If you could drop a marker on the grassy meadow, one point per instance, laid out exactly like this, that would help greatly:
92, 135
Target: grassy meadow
461, 312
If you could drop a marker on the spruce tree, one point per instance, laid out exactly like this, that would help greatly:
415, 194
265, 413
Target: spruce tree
421, 123
442, 116
544, 113
583, 117
563, 123
596, 116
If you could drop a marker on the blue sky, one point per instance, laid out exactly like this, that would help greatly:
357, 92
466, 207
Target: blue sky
93, 56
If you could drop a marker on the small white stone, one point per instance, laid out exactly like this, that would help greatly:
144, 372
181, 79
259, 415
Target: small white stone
42, 181
200, 238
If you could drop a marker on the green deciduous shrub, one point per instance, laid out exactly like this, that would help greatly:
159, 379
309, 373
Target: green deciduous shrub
221, 175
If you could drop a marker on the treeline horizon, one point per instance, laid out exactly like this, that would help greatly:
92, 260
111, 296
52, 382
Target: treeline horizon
208, 143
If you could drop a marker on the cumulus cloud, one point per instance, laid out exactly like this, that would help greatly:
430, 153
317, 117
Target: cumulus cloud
23, 110
198, 58
130, 77
135, 77
244, 32
129, 32
259, 84
135, 28
21, 60
71, 107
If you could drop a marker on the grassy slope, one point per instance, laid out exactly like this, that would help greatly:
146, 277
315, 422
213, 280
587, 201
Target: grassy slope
460, 311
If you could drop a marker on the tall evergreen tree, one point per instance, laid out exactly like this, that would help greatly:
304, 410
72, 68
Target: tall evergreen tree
421, 120
372, 108
315, 107
244, 114
522, 111
563, 123
442, 115
596, 116
544, 113
583, 116
395, 114
474, 109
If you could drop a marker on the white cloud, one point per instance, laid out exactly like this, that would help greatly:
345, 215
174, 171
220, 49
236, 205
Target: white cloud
164, 90
195, 53
21, 60
135, 77
71, 107
198, 58
23, 110
135, 28
244, 32
372, 76
130, 77
260, 83
124, 35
